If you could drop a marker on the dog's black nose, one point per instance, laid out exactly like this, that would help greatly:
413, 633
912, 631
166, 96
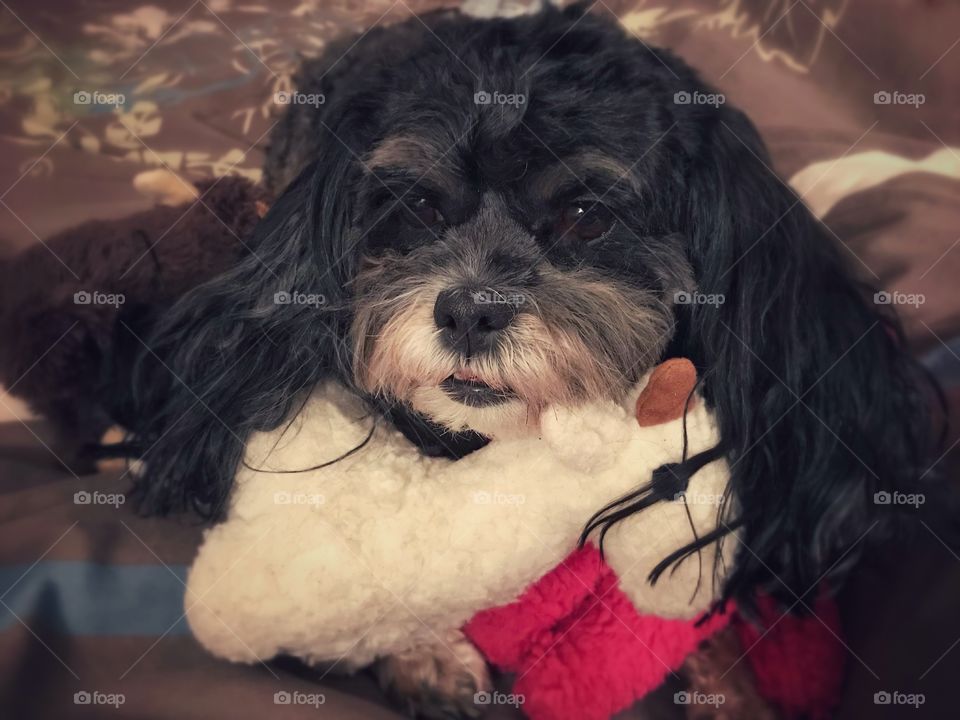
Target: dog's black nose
470, 320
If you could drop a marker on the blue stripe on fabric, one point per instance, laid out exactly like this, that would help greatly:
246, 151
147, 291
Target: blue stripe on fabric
85, 598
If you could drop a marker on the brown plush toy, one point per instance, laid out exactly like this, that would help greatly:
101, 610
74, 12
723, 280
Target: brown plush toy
62, 303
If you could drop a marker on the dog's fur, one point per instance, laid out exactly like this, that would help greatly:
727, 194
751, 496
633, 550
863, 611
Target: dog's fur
818, 404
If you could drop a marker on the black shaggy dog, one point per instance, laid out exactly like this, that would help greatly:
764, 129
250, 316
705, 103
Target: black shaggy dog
485, 216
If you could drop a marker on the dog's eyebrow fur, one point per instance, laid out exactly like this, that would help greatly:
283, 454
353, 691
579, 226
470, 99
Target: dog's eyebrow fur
414, 153
587, 166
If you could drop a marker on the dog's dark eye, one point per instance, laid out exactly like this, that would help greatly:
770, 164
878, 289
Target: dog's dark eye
585, 220
420, 212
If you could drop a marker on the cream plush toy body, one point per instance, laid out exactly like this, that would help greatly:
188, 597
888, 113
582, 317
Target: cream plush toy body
386, 549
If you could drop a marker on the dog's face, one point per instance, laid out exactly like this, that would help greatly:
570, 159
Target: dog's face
495, 280
513, 242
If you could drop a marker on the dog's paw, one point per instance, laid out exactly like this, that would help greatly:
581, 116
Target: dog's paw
438, 681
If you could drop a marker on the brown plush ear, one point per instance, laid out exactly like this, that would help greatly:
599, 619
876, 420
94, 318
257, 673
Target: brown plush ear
665, 396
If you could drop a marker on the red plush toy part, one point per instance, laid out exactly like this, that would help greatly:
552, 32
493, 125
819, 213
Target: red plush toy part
580, 649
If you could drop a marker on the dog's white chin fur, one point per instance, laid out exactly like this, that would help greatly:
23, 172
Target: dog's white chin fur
512, 418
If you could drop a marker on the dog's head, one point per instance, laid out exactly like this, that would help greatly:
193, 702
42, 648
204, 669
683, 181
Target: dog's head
506, 210
478, 218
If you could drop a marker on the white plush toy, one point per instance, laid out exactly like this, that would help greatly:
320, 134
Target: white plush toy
386, 549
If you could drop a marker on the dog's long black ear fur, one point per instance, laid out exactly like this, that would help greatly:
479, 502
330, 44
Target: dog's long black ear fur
819, 405
231, 357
